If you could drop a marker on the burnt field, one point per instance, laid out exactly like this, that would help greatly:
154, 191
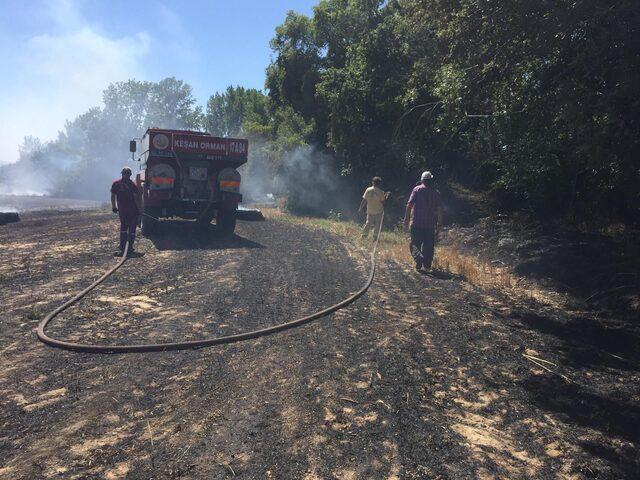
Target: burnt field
423, 377
29, 203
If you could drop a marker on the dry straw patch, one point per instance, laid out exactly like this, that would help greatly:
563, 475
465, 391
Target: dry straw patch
450, 259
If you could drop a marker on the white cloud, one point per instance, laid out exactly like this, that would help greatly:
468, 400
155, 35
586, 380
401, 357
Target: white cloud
60, 75
64, 13
179, 40
78, 65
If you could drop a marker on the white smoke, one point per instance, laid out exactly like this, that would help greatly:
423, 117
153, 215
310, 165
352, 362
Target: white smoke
60, 73
64, 168
305, 176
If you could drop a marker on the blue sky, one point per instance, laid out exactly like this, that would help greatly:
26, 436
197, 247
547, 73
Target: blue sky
59, 55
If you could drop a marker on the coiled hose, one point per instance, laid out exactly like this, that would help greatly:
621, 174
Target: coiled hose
191, 344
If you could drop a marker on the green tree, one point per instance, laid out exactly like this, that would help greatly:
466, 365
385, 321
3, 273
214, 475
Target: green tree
138, 105
292, 76
230, 113
535, 91
172, 105
534, 100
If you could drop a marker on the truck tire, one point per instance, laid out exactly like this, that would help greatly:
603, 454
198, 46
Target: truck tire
148, 225
226, 222
204, 220
202, 224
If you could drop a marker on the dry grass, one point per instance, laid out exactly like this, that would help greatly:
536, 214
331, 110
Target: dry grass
394, 246
474, 270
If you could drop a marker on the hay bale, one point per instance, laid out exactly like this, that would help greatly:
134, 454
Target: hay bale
9, 217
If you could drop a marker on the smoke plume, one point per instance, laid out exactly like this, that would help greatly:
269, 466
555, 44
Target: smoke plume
305, 176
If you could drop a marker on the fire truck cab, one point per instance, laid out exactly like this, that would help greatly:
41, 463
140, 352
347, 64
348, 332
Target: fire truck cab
191, 175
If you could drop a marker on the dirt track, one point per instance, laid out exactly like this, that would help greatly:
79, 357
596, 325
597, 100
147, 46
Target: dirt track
424, 377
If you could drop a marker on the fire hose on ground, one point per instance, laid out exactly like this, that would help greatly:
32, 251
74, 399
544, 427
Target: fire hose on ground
191, 344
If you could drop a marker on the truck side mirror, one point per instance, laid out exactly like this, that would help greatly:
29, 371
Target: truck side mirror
132, 146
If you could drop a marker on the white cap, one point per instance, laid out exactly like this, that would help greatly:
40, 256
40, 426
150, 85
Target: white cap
426, 176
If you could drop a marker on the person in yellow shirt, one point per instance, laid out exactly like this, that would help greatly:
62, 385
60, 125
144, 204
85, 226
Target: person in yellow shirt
373, 198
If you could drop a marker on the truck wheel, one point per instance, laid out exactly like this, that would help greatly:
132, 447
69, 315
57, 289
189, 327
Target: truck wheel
148, 225
203, 222
226, 222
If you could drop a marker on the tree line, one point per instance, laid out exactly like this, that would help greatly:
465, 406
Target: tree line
534, 103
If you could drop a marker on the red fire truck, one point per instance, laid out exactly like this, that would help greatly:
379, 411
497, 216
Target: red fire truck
188, 174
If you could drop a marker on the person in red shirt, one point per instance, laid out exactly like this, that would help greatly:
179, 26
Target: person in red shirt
424, 203
125, 201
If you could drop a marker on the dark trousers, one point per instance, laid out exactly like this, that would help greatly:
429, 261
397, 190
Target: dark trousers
422, 245
128, 225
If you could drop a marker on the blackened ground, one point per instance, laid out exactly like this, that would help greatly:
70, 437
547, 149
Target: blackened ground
596, 271
424, 377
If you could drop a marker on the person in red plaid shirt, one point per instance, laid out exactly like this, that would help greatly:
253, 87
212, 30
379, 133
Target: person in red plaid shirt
424, 203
